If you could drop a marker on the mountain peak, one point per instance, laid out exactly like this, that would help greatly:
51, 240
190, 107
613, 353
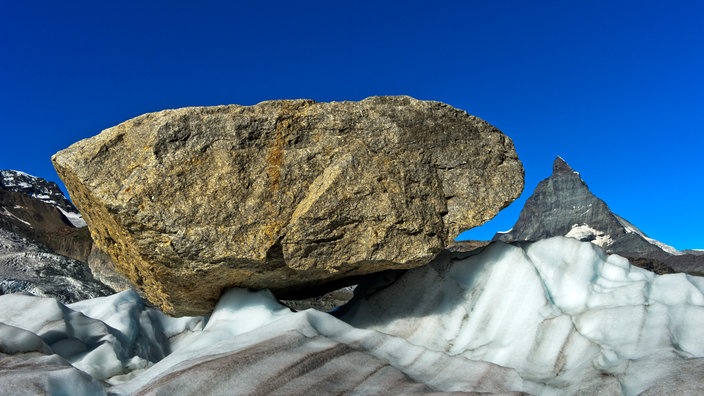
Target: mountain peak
561, 166
563, 205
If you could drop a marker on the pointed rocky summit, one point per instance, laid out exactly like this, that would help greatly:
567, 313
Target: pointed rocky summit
563, 205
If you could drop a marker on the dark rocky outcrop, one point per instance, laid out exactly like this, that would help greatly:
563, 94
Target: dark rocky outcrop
563, 205
285, 194
37, 209
42, 222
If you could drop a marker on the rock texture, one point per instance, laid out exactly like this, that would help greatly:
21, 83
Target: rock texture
285, 194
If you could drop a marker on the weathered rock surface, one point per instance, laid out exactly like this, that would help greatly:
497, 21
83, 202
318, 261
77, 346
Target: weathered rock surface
285, 194
103, 269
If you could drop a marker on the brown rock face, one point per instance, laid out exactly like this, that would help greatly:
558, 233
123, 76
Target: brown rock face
284, 195
41, 222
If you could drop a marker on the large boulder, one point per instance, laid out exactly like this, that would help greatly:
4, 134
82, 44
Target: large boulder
285, 194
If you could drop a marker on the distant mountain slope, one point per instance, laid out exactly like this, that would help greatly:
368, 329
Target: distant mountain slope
41, 189
44, 223
42, 249
26, 266
563, 205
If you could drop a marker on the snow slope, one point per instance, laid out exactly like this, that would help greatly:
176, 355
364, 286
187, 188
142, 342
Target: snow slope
250, 345
569, 318
552, 317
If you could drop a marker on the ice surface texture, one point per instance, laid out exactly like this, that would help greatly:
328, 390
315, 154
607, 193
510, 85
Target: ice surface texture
553, 317
565, 315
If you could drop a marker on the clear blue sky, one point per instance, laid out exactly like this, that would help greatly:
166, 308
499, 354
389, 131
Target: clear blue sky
614, 87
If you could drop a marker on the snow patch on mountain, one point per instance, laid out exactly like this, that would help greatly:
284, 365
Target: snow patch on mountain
74, 217
630, 228
586, 233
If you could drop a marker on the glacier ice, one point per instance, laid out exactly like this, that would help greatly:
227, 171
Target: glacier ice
557, 316
568, 317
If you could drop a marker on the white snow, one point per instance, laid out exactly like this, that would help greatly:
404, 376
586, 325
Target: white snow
633, 229
6, 212
9, 177
20, 173
552, 317
584, 232
565, 315
75, 218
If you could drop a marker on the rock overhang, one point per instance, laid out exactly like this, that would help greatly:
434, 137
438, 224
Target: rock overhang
285, 195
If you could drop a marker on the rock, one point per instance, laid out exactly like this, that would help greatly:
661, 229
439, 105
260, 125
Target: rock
328, 302
563, 204
466, 246
285, 194
103, 269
